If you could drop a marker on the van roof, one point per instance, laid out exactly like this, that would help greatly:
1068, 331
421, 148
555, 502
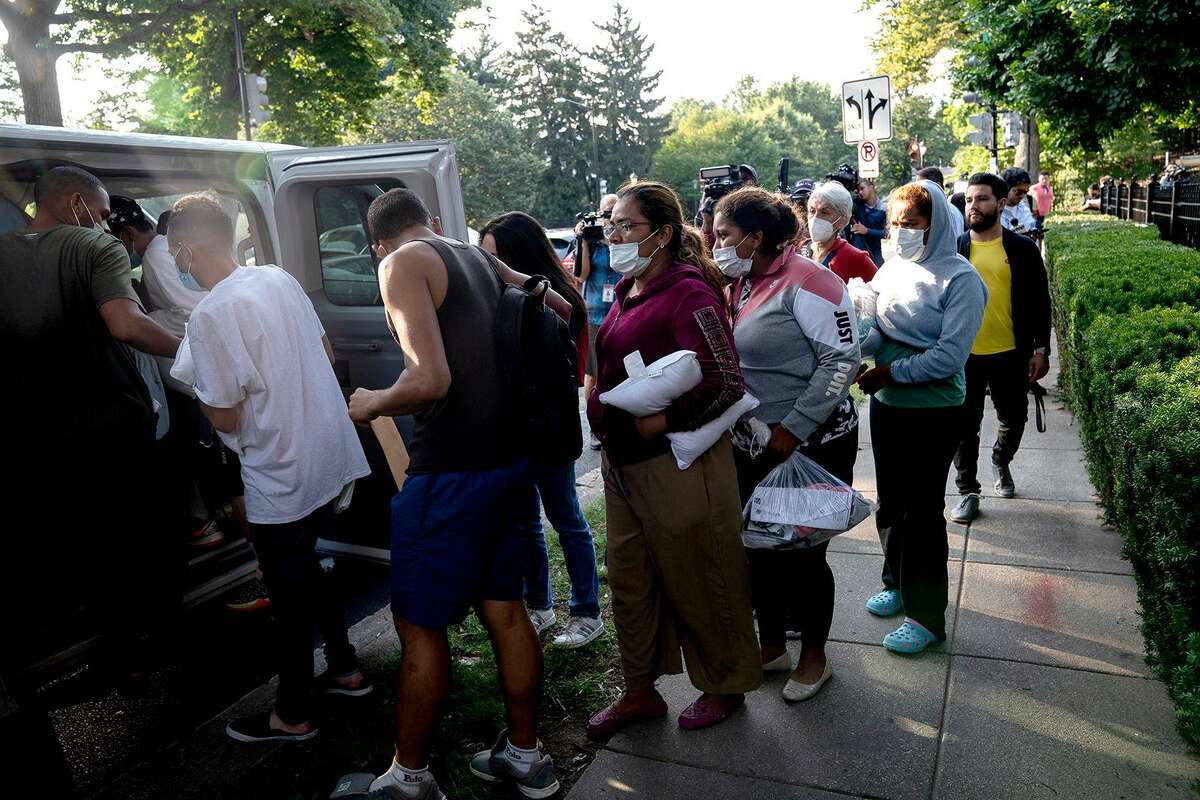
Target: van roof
46, 136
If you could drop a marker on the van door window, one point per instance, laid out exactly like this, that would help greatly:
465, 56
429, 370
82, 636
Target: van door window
348, 265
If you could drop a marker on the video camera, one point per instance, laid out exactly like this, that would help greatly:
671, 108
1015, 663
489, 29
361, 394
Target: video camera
847, 176
716, 182
593, 227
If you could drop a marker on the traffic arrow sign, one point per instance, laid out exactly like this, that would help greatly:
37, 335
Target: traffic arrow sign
867, 110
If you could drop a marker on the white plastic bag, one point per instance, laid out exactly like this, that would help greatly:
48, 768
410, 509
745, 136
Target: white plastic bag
649, 389
865, 301
690, 445
800, 505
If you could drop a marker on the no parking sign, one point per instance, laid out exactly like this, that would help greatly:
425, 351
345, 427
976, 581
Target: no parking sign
868, 159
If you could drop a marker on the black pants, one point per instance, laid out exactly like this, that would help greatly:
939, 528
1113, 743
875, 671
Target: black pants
794, 587
85, 514
302, 599
1007, 375
913, 449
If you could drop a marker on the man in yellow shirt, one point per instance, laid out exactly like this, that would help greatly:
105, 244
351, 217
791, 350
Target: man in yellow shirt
1012, 347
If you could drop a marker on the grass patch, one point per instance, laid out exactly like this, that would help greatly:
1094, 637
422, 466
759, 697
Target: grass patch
577, 683
357, 735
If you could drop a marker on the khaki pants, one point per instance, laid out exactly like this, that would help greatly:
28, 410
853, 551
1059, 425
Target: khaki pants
678, 573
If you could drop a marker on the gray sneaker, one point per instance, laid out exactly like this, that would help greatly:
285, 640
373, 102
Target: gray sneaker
1004, 480
494, 766
966, 510
541, 620
579, 632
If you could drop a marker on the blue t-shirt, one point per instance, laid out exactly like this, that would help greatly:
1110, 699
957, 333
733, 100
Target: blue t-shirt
600, 289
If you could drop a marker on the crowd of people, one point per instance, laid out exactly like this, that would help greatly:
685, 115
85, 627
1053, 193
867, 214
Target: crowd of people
759, 293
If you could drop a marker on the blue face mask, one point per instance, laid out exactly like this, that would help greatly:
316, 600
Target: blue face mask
185, 275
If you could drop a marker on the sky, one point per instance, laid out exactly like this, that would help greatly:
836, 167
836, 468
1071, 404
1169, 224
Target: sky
696, 43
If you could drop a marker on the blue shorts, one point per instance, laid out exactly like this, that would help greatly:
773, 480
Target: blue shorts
457, 539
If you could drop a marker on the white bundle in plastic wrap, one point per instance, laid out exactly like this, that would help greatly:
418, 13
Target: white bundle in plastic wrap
650, 388
800, 505
687, 446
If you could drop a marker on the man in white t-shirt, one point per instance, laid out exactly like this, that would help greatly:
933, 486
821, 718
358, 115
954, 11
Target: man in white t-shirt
261, 368
1017, 215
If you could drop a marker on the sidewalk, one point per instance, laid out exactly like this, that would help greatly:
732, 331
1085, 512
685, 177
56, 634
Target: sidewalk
1040, 690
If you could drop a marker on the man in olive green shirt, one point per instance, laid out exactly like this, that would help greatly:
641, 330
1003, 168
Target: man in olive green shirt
79, 422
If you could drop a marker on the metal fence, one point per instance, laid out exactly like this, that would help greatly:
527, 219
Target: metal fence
1175, 208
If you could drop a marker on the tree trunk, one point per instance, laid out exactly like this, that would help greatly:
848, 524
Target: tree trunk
37, 62
1029, 147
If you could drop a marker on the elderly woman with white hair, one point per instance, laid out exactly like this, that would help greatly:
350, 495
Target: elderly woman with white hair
830, 209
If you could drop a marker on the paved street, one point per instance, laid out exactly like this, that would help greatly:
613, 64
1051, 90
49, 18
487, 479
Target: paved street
1040, 691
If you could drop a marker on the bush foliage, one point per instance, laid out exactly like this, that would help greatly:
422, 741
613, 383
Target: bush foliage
1125, 306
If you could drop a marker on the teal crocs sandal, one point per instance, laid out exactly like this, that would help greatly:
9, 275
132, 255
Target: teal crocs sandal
886, 603
910, 638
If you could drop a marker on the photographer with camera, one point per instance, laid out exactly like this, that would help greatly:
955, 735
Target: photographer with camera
598, 281
716, 182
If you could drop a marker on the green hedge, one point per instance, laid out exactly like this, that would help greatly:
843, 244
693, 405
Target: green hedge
1129, 340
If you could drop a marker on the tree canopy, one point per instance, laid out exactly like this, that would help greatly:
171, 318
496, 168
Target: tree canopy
1086, 67
798, 119
324, 61
499, 171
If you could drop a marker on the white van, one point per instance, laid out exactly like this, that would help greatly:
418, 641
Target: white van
304, 209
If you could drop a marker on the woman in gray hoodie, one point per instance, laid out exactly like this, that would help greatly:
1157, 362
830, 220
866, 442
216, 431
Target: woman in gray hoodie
929, 308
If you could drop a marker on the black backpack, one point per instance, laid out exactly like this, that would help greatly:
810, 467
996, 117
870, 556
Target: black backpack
539, 367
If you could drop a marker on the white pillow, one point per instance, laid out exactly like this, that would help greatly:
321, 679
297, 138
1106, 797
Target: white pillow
690, 445
650, 389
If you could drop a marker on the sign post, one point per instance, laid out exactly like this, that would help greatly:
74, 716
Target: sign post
867, 110
868, 159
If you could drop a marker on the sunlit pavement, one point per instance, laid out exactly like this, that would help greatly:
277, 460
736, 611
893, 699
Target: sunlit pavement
1039, 692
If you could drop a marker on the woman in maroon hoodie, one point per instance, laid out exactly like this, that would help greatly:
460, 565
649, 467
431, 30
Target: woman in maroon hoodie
675, 560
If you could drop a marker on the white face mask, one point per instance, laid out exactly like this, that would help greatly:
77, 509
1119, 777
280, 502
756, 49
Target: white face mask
185, 275
821, 230
95, 225
910, 243
624, 257
729, 263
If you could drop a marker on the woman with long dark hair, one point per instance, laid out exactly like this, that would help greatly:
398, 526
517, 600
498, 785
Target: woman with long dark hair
520, 242
675, 561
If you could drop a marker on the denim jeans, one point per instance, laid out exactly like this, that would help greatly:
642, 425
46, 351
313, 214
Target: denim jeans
556, 487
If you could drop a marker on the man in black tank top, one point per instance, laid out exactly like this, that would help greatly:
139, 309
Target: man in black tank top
456, 523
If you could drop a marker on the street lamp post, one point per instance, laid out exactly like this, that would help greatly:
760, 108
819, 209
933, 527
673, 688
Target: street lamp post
595, 147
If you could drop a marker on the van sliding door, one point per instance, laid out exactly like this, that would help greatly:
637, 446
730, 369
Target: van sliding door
321, 200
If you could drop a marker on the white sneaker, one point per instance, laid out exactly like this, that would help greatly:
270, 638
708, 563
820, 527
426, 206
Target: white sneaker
579, 632
541, 620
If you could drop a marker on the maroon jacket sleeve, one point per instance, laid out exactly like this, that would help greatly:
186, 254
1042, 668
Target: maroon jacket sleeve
702, 325
850, 262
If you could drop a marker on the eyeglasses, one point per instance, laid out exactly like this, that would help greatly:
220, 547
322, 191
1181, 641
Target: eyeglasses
624, 226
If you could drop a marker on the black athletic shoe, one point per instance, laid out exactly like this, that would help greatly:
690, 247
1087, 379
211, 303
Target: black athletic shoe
257, 728
1004, 480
